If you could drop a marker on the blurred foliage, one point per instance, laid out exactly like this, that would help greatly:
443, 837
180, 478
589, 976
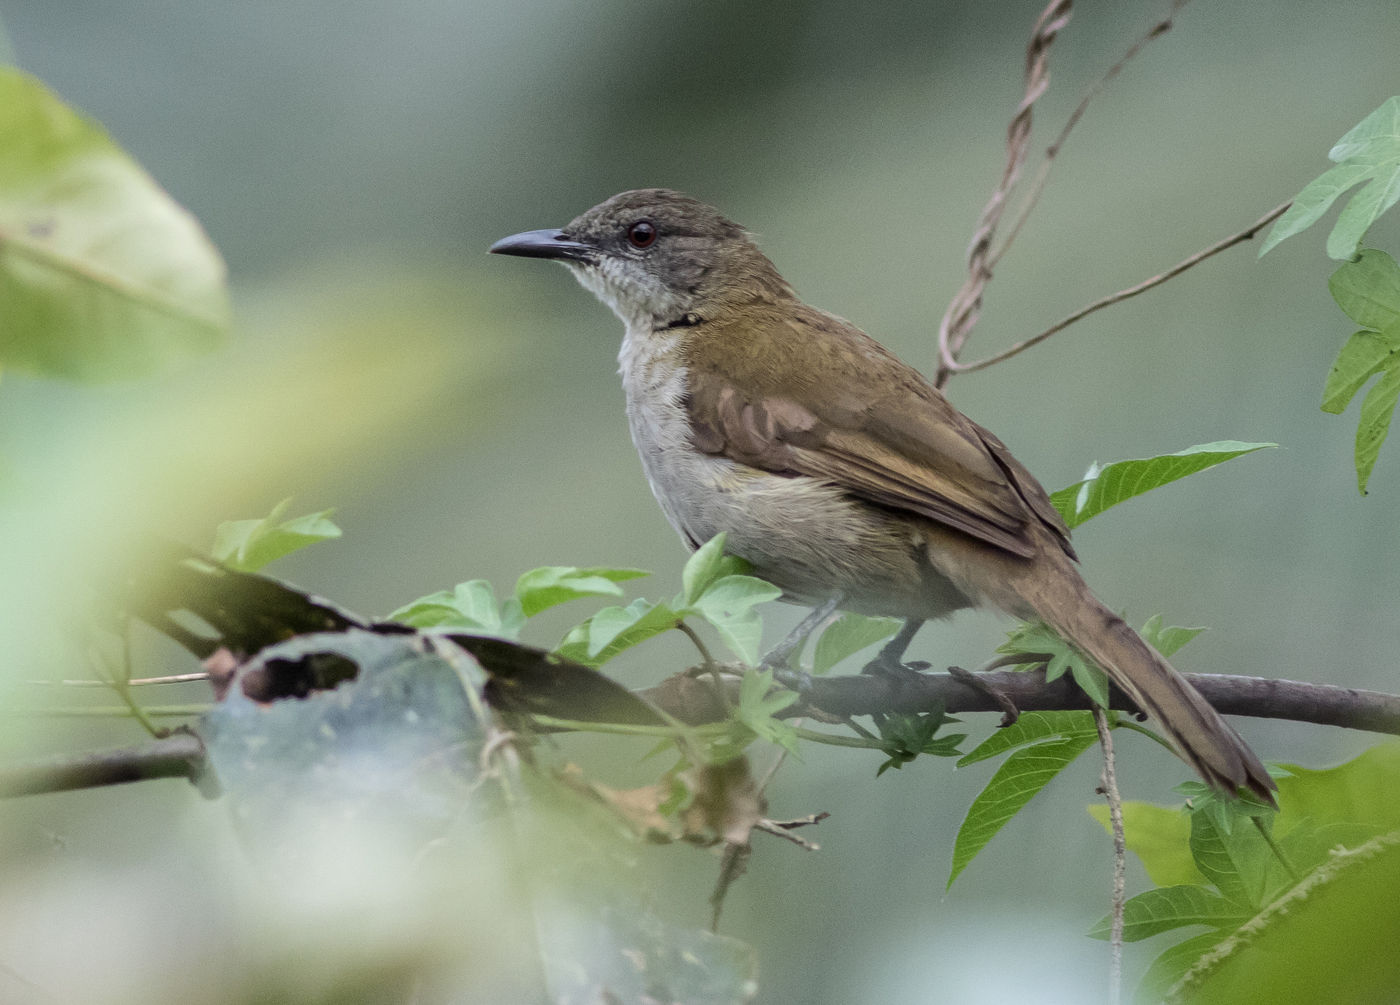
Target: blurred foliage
248, 545
102, 275
1295, 899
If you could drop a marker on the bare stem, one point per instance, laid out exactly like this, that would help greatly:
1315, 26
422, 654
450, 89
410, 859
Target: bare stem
1043, 173
709, 664
966, 305
1109, 780
1131, 291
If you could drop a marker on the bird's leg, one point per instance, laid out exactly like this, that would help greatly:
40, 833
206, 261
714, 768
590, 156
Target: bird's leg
890, 660
776, 659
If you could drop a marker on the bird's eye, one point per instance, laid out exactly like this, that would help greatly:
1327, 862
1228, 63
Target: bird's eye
641, 234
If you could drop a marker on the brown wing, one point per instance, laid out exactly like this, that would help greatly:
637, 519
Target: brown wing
886, 435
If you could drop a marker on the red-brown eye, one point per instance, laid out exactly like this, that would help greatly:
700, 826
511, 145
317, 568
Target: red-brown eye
641, 234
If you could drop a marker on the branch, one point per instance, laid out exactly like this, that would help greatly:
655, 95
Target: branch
1258, 697
953, 366
180, 755
1053, 151
694, 702
966, 305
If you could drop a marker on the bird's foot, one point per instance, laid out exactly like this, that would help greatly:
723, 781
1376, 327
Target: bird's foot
1009, 712
894, 670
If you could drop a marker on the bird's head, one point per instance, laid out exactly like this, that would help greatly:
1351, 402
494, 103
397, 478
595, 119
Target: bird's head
657, 258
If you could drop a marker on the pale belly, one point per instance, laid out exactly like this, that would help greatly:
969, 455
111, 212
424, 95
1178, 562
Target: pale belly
801, 534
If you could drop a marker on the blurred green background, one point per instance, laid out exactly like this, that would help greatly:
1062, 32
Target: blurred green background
353, 161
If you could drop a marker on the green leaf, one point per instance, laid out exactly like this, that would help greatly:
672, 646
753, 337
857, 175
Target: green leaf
1092, 681
1169, 639
1361, 791
1159, 836
1015, 783
848, 635
1038, 638
1173, 962
1330, 939
551, 585
759, 703
469, 606
1369, 152
102, 275
1170, 907
727, 603
1033, 727
1374, 424
615, 629
702, 569
1105, 487
907, 736
1364, 355
248, 545
1368, 290
1236, 860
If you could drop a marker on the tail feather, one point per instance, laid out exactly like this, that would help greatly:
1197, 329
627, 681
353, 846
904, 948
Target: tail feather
1205, 740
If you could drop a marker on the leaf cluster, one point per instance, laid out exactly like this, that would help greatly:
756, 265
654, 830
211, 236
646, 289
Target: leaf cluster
1367, 287
1244, 871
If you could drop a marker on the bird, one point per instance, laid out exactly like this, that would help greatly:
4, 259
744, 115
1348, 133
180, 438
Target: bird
837, 470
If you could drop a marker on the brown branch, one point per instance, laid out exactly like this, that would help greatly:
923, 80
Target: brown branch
1258, 697
1131, 291
966, 305
180, 755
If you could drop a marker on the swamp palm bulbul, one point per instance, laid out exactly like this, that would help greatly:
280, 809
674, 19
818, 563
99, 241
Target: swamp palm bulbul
835, 468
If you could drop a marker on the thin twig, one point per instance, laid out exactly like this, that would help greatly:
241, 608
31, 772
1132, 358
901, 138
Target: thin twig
111, 711
784, 828
709, 664
1120, 856
777, 763
1131, 291
177, 678
1043, 173
966, 305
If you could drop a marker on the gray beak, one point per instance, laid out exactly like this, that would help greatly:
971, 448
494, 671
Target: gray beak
543, 244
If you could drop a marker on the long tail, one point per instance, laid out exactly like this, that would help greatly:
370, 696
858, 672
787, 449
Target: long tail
1205, 740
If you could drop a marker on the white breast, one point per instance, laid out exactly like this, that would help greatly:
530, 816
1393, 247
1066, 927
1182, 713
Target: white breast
804, 534
682, 479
